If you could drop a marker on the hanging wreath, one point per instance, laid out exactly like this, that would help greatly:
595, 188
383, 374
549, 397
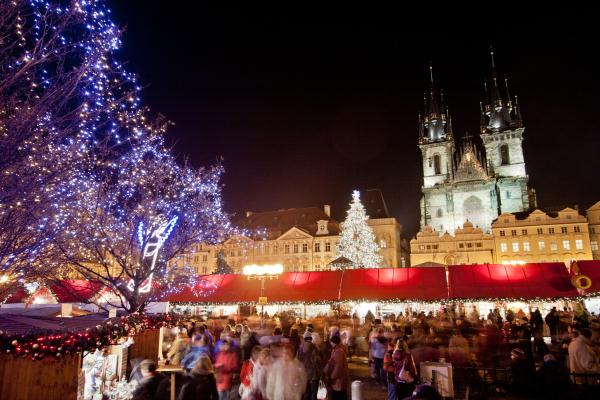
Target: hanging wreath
581, 281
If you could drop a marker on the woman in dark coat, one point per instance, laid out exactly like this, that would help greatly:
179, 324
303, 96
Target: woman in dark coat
203, 385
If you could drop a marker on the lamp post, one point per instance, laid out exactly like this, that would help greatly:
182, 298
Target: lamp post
262, 272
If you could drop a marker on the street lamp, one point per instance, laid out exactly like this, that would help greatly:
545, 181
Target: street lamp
262, 272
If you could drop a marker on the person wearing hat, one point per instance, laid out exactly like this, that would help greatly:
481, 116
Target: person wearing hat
203, 384
425, 392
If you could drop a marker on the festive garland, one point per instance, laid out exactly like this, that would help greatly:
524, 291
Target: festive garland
39, 344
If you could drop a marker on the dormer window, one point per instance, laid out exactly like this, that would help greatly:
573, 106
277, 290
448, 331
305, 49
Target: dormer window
322, 227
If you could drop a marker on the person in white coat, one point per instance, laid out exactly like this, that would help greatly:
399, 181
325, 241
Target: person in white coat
582, 358
286, 379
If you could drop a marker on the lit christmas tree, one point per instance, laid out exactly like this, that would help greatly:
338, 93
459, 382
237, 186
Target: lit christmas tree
357, 241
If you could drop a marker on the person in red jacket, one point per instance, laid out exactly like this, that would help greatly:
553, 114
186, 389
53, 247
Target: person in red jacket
246, 387
337, 370
226, 364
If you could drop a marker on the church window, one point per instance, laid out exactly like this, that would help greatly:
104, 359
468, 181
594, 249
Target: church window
504, 156
515, 246
508, 194
563, 229
566, 245
594, 245
513, 232
551, 231
526, 246
439, 213
542, 245
523, 231
553, 246
304, 248
540, 231
576, 229
579, 244
317, 247
327, 246
437, 164
503, 247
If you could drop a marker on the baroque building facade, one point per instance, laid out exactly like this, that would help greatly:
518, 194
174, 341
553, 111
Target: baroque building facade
467, 184
300, 239
593, 216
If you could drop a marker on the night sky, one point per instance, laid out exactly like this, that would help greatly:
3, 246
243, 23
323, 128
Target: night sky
305, 105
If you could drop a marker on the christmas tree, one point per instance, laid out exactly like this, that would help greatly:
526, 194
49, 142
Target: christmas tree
357, 241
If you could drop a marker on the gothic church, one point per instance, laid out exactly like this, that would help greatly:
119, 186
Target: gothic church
465, 184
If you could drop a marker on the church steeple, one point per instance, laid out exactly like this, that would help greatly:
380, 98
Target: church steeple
498, 113
434, 121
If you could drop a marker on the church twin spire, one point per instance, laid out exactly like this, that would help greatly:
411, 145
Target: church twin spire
436, 124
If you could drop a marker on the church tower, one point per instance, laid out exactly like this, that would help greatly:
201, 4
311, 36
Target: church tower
435, 138
502, 130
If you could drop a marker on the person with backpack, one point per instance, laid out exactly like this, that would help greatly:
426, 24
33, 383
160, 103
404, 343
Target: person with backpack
405, 370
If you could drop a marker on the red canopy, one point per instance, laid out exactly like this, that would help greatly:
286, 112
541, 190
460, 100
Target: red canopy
528, 281
75, 291
389, 284
591, 269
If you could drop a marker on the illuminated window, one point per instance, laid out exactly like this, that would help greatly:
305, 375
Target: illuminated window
421, 247
523, 231
563, 229
553, 246
503, 247
542, 246
317, 247
327, 246
540, 231
304, 248
513, 232
576, 228
566, 245
515, 246
526, 246
594, 245
551, 231
382, 244
579, 244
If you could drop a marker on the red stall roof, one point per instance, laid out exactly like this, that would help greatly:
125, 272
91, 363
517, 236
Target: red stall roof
395, 284
75, 291
591, 269
529, 281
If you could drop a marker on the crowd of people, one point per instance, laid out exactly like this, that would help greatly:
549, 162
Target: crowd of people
295, 359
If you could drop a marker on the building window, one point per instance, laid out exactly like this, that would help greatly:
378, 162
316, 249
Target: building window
479, 244
594, 245
205, 257
523, 231
439, 213
437, 164
428, 247
421, 247
502, 233
553, 246
542, 246
576, 229
540, 231
317, 267
515, 246
526, 246
513, 232
551, 231
327, 246
204, 269
196, 259
579, 244
504, 156
304, 247
563, 229
382, 244
566, 245
469, 245
317, 247
508, 194
295, 248
592, 230
435, 246
461, 246
287, 249
503, 247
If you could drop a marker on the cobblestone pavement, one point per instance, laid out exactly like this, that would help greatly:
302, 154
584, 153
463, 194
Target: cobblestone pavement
359, 370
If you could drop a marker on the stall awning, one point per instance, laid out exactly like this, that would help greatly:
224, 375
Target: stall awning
75, 291
394, 284
497, 281
591, 269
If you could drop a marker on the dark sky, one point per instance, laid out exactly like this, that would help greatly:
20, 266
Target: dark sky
305, 105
